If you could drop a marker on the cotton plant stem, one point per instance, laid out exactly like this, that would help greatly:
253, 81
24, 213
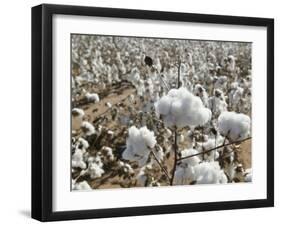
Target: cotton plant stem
179, 74
212, 149
202, 131
161, 166
175, 157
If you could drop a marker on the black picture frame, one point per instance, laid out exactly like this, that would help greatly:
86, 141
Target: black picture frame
42, 107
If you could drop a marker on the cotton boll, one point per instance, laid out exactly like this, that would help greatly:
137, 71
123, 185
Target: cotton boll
217, 103
83, 143
108, 153
148, 137
209, 173
164, 105
181, 108
95, 169
234, 125
77, 159
83, 185
221, 83
108, 104
209, 144
128, 169
200, 91
88, 128
248, 175
139, 143
168, 132
77, 118
92, 97
180, 139
77, 112
184, 175
141, 177
192, 161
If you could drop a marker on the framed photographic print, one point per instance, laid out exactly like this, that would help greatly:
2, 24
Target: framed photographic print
146, 112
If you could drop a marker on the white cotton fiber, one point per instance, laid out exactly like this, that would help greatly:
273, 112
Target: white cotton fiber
248, 175
139, 143
77, 159
88, 128
190, 161
77, 112
83, 185
185, 173
181, 108
95, 169
234, 125
92, 97
209, 173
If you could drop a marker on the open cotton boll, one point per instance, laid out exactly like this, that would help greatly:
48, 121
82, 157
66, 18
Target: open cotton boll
211, 143
83, 185
95, 169
77, 159
78, 112
217, 102
141, 177
248, 175
83, 143
192, 161
234, 125
184, 175
109, 153
92, 97
88, 128
77, 118
200, 91
209, 173
139, 143
181, 108
185, 171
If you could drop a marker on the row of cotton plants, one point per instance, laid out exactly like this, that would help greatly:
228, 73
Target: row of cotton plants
158, 112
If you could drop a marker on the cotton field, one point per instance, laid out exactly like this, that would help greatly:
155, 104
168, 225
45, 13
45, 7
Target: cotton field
159, 112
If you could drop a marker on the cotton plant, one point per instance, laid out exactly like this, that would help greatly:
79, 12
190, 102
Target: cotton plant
200, 91
217, 102
236, 97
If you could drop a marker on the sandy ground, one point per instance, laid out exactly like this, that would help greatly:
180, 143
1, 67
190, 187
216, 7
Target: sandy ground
245, 154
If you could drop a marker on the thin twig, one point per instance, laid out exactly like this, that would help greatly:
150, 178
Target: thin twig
212, 149
175, 157
179, 74
159, 163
